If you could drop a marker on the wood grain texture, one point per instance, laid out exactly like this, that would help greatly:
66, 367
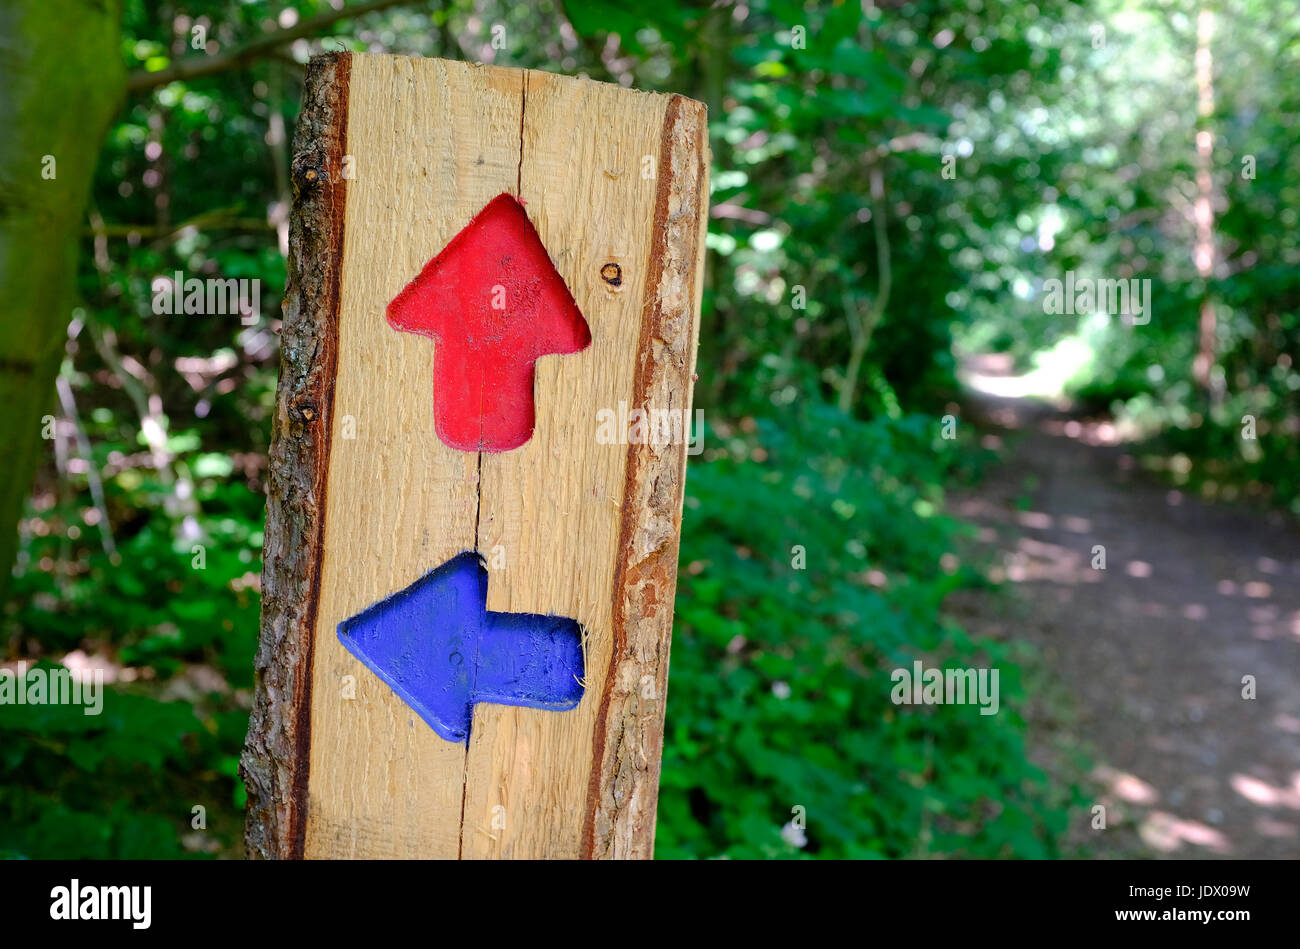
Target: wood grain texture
628, 741
431, 143
555, 504
567, 525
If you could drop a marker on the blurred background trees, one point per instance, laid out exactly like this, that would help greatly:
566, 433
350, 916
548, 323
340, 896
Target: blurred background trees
893, 184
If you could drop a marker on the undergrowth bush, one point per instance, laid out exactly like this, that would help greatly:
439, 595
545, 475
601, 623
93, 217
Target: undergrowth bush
780, 681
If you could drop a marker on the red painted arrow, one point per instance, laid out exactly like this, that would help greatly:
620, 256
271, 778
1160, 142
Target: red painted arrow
494, 303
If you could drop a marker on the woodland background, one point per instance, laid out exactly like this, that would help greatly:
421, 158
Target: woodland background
893, 184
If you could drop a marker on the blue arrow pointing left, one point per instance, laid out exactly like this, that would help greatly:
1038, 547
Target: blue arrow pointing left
441, 651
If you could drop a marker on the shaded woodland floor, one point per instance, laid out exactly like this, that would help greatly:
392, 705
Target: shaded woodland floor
1145, 659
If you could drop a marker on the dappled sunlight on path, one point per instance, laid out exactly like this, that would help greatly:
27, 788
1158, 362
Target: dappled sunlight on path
1156, 613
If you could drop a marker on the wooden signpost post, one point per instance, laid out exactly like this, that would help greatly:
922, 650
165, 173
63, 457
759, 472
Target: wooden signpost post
468, 587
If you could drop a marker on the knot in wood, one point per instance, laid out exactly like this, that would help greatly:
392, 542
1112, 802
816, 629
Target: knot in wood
305, 410
308, 173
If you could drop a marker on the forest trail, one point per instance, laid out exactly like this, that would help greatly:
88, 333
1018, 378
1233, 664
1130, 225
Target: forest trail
1152, 650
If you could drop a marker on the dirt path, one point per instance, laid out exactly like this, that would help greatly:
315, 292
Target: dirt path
1152, 650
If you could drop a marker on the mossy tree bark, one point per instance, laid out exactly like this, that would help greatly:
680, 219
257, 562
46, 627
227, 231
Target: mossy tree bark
61, 81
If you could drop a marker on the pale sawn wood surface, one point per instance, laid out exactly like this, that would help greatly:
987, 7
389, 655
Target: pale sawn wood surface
431, 142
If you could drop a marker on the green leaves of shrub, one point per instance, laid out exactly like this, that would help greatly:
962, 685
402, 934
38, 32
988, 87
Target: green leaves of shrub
780, 687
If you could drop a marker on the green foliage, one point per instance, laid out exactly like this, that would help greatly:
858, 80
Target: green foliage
781, 675
1122, 185
828, 189
57, 762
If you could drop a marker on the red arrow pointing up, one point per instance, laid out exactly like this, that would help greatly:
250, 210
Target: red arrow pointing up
494, 303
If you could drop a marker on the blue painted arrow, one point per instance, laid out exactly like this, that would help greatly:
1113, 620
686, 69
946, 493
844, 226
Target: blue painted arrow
441, 651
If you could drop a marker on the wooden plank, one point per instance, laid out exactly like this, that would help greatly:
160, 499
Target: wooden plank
628, 743
569, 526
381, 782
584, 150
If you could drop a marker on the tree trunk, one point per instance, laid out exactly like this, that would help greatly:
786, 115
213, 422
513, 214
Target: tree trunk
61, 81
1204, 253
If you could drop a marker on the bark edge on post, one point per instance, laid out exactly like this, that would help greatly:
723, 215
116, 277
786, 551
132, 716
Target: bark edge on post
275, 760
623, 795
